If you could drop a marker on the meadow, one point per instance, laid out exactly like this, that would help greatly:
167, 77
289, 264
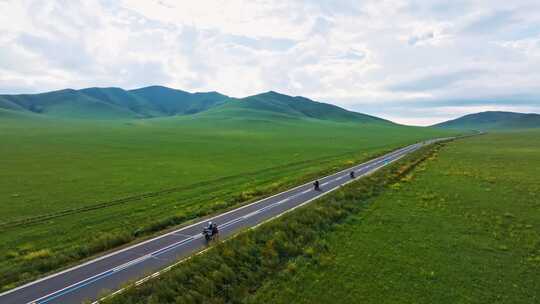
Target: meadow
461, 228
232, 270
72, 189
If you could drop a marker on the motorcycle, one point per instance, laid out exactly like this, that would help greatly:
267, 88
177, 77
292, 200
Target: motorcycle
210, 234
316, 186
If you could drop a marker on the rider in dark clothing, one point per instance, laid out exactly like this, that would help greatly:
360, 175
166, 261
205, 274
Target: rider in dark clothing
352, 174
211, 231
215, 230
316, 185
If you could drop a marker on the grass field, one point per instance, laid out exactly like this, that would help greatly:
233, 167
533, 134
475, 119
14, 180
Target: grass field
462, 228
61, 180
232, 270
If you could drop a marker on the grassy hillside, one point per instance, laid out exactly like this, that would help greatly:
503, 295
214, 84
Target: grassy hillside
461, 229
10, 116
6, 104
66, 103
173, 102
139, 107
272, 104
493, 121
158, 101
112, 103
66, 177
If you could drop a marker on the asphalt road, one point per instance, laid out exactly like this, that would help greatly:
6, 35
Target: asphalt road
88, 281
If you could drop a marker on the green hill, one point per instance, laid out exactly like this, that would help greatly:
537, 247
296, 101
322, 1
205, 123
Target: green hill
275, 105
67, 103
112, 103
123, 99
493, 120
172, 102
158, 101
18, 116
6, 104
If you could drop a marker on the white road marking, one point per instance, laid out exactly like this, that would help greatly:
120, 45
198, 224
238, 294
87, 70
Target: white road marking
182, 234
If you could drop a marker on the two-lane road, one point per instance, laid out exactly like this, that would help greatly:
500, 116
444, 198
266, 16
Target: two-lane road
88, 281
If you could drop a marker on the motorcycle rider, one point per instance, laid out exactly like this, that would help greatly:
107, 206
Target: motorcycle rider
214, 228
210, 231
352, 174
316, 185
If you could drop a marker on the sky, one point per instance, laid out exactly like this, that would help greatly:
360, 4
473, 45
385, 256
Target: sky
414, 62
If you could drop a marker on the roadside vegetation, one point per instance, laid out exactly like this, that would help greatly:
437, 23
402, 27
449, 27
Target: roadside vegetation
73, 189
234, 269
461, 228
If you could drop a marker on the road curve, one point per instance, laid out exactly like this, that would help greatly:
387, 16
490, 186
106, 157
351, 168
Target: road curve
89, 280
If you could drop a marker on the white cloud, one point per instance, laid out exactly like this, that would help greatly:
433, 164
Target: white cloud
367, 56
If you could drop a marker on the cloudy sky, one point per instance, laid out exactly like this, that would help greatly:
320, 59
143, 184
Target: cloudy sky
415, 62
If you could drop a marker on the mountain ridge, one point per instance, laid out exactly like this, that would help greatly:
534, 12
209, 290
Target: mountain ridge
161, 101
493, 120
111, 102
295, 106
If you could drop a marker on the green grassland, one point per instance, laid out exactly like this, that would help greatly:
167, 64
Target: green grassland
462, 228
63, 183
237, 267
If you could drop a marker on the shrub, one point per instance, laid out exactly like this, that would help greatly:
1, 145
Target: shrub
39, 254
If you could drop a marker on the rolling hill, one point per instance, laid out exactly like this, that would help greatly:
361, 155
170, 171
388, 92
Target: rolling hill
173, 102
493, 120
158, 101
275, 105
112, 103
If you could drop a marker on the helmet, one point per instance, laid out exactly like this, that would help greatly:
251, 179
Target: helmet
210, 223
